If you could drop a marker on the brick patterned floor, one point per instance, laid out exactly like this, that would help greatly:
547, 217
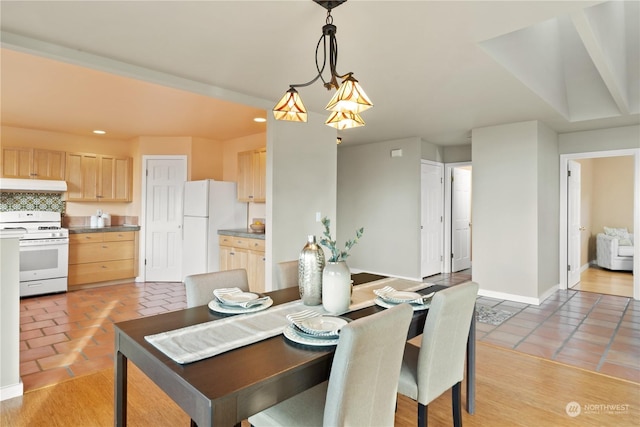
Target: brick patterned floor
71, 334
66, 335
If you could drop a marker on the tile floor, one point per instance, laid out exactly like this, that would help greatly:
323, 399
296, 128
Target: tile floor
593, 331
68, 335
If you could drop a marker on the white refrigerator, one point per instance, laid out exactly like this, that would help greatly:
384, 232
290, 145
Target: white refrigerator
208, 206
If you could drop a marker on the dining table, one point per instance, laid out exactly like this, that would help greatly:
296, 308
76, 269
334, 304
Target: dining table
227, 388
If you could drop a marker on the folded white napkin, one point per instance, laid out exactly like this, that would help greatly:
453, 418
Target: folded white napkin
386, 294
383, 292
297, 319
221, 292
223, 295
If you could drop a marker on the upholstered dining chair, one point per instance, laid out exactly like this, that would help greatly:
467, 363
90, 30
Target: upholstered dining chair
287, 274
199, 287
438, 364
362, 385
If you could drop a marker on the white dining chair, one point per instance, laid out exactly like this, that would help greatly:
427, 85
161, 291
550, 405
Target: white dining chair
362, 385
199, 287
438, 363
287, 274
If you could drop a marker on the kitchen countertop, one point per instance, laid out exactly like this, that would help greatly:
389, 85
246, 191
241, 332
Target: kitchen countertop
86, 229
242, 232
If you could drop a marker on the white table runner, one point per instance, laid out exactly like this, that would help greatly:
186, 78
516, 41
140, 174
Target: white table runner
197, 342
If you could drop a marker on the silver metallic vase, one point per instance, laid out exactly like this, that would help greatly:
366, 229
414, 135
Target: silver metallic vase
310, 266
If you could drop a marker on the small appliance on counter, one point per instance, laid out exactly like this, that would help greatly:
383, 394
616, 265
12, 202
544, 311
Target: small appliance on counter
100, 220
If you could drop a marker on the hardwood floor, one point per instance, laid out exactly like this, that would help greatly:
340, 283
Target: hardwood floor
513, 389
602, 281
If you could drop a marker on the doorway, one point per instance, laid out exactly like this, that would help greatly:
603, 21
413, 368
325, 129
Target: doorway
607, 194
431, 228
163, 178
458, 221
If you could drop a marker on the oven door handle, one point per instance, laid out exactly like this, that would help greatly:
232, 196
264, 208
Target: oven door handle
45, 242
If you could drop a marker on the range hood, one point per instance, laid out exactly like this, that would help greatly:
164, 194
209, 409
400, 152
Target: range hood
35, 185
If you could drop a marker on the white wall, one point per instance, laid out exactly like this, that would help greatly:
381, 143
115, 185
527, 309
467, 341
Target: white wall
301, 180
514, 186
504, 209
433, 152
599, 140
457, 153
10, 382
548, 170
382, 194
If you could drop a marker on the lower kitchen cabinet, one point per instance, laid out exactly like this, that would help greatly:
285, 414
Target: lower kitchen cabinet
102, 256
242, 252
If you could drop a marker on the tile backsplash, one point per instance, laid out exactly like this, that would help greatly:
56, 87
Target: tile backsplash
24, 201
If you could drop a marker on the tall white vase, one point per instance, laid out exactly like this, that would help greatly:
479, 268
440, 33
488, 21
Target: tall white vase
336, 287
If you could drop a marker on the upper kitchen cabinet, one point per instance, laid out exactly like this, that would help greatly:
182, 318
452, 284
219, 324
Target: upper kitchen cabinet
32, 163
96, 177
252, 176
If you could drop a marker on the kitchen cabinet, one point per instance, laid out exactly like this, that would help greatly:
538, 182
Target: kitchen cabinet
252, 175
32, 163
96, 177
102, 256
242, 252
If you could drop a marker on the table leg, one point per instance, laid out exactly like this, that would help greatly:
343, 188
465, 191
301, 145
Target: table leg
120, 390
471, 366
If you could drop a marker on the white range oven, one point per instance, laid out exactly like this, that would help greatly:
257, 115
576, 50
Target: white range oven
44, 251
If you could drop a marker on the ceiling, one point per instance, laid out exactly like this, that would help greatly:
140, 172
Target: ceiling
433, 69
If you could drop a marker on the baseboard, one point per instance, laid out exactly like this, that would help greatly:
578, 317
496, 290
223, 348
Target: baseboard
11, 391
518, 298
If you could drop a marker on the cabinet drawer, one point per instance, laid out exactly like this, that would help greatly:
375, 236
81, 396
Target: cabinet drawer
116, 236
85, 238
236, 242
226, 240
100, 251
101, 271
256, 244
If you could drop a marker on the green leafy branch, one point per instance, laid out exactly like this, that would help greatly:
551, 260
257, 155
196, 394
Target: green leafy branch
330, 243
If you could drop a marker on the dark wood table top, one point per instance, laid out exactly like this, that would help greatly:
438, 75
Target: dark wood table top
246, 371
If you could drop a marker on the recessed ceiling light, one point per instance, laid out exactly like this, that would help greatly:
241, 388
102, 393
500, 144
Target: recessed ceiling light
99, 132
260, 119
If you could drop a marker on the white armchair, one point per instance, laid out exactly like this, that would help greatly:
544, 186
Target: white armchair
612, 255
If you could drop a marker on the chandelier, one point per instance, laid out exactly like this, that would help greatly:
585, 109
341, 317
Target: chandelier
349, 100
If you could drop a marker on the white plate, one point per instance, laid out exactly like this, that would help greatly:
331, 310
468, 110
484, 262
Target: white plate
290, 333
322, 325
215, 305
416, 307
399, 297
237, 298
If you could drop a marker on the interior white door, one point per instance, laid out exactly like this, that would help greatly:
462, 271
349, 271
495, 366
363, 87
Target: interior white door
163, 219
574, 227
461, 219
432, 214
